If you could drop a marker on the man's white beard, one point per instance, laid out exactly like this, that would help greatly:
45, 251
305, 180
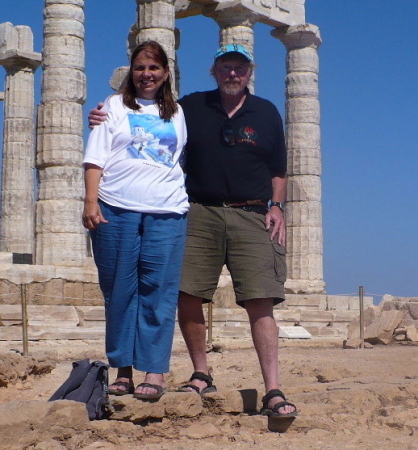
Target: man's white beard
231, 89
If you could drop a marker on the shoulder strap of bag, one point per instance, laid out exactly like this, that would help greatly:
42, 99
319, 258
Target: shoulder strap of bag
77, 376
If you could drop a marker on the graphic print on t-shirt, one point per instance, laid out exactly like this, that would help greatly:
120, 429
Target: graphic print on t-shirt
152, 138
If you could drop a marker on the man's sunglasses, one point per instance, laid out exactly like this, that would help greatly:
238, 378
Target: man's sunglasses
227, 133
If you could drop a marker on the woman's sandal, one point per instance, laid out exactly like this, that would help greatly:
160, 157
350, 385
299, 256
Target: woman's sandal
129, 388
274, 412
154, 397
202, 377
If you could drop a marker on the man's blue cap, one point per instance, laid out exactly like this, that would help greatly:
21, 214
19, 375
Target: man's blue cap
233, 48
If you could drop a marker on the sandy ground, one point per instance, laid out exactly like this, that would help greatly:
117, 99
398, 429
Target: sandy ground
347, 399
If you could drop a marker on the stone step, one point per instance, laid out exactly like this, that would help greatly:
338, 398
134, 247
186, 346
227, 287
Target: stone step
88, 322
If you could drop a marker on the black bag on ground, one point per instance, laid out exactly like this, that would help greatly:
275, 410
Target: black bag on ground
87, 383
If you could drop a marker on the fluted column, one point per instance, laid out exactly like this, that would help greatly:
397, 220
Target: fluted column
304, 209
60, 237
17, 193
235, 27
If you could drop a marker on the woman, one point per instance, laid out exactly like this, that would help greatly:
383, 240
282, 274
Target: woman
135, 209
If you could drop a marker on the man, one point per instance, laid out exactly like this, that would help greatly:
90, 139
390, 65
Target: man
236, 181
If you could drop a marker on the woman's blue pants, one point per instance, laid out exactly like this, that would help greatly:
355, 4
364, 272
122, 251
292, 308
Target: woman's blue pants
139, 258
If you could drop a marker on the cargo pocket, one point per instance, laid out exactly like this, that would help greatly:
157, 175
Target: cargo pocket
279, 261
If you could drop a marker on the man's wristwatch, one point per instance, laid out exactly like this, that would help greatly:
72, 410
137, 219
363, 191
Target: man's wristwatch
281, 205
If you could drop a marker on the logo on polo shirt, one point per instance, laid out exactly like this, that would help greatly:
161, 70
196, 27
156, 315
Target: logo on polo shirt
248, 134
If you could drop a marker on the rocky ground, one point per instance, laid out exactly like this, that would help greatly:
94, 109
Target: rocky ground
347, 399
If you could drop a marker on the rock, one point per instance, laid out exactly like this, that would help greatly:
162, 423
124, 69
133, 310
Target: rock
179, 404
15, 368
352, 343
22, 422
258, 423
51, 444
200, 431
328, 375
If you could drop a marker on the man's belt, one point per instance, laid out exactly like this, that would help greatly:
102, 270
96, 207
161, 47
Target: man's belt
226, 204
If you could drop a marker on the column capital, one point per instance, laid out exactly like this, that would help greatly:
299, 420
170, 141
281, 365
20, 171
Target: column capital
298, 36
20, 59
232, 16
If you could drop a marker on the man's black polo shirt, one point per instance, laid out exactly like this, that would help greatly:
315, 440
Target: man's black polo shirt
218, 172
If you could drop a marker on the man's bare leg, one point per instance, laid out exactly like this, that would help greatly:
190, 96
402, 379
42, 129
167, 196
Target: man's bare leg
193, 327
265, 338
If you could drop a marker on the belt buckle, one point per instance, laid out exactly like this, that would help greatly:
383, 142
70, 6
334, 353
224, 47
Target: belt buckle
225, 205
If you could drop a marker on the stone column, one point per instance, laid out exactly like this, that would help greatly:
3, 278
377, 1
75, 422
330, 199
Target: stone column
304, 210
17, 193
156, 20
60, 237
235, 27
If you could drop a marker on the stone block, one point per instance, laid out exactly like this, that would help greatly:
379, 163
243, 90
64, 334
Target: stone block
331, 332
317, 316
411, 333
287, 315
344, 316
382, 329
304, 301
65, 51
412, 308
305, 110
304, 59
90, 313
314, 329
300, 213
157, 15
224, 297
55, 27
60, 117
295, 332
391, 319
61, 248
63, 84
337, 302
302, 85
6, 258
37, 333
302, 160
9, 37
118, 77
354, 303
162, 35
61, 216
312, 285
304, 187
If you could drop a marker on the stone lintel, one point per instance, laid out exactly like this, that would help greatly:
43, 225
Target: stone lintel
275, 14
20, 58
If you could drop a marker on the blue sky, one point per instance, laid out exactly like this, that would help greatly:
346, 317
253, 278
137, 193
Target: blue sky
369, 119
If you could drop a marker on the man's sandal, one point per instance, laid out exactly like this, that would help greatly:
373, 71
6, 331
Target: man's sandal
128, 388
274, 412
202, 377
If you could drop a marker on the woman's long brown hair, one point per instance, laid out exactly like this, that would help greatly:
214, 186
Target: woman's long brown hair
164, 96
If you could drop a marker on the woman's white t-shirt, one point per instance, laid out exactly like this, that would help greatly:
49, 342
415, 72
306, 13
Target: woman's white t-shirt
140, 155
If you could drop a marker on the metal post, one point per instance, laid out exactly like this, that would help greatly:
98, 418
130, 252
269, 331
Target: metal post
24, 302
360, 295
210, 323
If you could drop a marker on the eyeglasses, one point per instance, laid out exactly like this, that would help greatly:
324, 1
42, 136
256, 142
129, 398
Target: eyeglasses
227, 133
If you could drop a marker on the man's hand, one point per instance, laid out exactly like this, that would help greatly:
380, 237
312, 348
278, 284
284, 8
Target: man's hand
275, 217
97, 116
